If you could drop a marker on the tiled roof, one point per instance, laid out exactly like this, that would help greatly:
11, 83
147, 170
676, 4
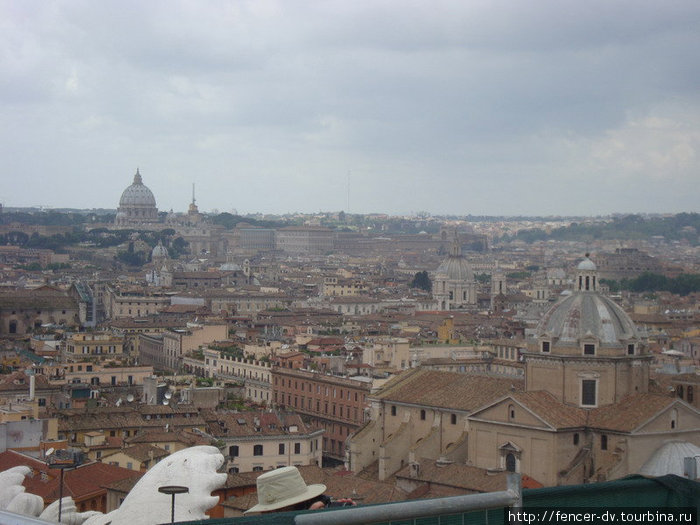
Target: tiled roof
242, 424
551, 410
141, 452
78, 483
446, 389
461, 476
160, 436
628, 414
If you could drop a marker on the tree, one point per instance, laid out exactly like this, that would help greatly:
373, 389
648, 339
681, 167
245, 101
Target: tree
422, 280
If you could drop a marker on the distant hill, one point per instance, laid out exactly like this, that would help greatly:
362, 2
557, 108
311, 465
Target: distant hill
683, 226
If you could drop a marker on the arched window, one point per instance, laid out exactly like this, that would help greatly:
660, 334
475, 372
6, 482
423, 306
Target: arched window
674, 418
510, 462
422, 415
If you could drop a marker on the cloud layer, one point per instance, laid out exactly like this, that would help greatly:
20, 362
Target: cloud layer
451, 107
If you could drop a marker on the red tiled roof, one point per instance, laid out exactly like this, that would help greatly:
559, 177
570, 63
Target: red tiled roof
631, 412
446, 389
80, 483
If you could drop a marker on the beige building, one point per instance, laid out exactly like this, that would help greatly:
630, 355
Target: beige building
304, 239
179, 342
139, 457
332, 286
254, 374
256, 441
387, 353
584, 413
133, 302
95, 345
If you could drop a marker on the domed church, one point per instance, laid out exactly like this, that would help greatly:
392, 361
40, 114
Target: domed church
454, 286
588, 411
588, 352
137, 205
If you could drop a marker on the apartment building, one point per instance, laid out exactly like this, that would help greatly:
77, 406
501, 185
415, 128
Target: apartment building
337, 404
96, 345
256, 441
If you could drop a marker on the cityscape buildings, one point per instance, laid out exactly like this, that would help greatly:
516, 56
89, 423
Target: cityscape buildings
384, 354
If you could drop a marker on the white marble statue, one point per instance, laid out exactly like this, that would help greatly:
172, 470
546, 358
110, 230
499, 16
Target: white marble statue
194, 468
13, 498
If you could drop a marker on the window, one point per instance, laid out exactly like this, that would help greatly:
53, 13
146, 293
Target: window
510, 462
129, 465
545, 347
281, 449
689, 397
511, 412
258, 451
297, 448
453, 419
393, 410
257, 469
422, 415
630, 349
588, 392
576, 439
603, 442
589, 349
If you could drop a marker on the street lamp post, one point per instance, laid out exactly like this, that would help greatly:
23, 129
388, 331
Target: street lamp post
172, 490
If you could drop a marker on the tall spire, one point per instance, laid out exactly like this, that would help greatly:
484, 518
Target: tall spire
137, 177
193, 193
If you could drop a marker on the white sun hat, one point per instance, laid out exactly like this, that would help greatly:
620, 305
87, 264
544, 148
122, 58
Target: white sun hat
283, 487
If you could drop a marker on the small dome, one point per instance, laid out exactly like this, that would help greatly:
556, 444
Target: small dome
456, 268
668, 459
581, 315
230, 267
587, 264
159, 251
137, 194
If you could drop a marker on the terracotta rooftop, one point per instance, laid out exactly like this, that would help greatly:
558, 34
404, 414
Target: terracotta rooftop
141, 452
462, 477
446, 389
78, 483
551, 410
630, 412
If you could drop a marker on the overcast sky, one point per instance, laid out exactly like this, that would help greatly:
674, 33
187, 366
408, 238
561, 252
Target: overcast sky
482, 107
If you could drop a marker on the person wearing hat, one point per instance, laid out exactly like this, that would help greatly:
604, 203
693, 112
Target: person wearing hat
284, 489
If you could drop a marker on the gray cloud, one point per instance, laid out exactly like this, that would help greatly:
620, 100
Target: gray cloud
451, 107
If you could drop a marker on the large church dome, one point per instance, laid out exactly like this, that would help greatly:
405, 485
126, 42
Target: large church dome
137, 194
456, 267
137, 205
587, 315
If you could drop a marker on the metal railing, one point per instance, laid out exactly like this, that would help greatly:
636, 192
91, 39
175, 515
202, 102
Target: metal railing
411, 510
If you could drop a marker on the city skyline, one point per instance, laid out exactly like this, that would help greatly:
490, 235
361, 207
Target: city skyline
453, 108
